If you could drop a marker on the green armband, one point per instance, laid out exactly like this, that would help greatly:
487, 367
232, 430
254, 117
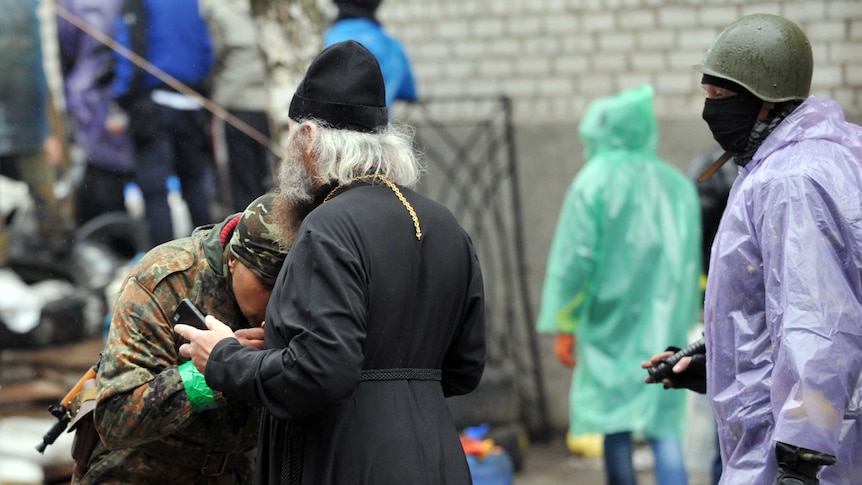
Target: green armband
200, 394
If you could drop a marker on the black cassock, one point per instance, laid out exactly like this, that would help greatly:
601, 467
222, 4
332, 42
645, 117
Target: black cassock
368, 329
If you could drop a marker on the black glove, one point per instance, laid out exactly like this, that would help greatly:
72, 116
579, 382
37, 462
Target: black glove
693, 377
799, 466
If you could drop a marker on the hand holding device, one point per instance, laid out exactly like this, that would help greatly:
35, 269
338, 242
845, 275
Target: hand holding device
187, 313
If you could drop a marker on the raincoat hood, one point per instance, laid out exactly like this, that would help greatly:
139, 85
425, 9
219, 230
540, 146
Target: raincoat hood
783, 309
623, 122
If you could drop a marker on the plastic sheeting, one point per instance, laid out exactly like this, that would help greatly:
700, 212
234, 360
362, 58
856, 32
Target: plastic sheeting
784, 301
623, 270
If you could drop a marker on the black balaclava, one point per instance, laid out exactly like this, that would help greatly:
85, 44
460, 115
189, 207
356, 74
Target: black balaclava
731, 119
344, 88
357, 9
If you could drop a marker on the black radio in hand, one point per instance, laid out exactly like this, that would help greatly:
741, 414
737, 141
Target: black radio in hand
664, 369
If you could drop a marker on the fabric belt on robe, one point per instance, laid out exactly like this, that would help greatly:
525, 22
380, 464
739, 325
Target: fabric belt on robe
407, 374
212, 463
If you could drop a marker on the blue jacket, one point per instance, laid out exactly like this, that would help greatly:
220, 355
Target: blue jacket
397, 74
175, 38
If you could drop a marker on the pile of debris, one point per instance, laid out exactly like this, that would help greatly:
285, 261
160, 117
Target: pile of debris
54, 310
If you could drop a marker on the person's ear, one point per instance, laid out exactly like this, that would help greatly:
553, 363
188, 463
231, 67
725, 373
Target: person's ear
231, 261
309, 133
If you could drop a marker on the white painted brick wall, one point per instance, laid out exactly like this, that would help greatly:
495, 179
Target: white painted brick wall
554, 56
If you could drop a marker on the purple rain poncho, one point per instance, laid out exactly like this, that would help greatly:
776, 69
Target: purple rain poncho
783, 305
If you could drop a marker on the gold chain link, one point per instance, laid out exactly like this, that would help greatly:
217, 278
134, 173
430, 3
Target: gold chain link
394, 188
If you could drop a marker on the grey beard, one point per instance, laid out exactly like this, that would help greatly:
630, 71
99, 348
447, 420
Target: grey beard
296, 184
295, 197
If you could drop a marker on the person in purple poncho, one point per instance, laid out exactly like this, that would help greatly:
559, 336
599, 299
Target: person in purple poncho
783, 308
88, 69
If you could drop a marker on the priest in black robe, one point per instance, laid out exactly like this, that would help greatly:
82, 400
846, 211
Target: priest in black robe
378, 313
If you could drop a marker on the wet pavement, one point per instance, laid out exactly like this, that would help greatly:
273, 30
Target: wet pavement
551, 464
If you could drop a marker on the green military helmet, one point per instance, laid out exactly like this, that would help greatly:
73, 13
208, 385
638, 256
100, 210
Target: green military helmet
767, 54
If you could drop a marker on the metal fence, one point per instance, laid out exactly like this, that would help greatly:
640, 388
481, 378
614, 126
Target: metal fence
468, 146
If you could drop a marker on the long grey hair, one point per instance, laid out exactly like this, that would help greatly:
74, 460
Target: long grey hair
344, 154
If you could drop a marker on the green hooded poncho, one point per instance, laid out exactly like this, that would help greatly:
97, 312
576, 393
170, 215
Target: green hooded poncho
623, 270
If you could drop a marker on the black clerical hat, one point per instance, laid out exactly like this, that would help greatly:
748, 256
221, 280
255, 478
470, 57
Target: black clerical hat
343, 87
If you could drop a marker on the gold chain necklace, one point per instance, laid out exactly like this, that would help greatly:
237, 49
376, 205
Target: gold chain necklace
392, 186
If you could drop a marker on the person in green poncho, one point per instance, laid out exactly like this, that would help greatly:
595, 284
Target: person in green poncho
621, 281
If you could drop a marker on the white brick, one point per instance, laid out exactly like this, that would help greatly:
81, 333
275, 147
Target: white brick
524, 26
458, 69
431, 51
546, 6
853, 76
412, 36
602, 21
482, 87
562, 23
856, 30
636, 19
505, 47
532, 66
633, 80
826, 31
673, 83
449, 29
520, 87
681, 61
820, 52
494, 67
471, 49
596, 84
579, 43
556, 87
570, 64
616, 42
808, 11
845, 53
656, 39
830, 77
605, 62
542, 46
699, 39
487, 28
847, 98
720, 17
677, 17
649, 61
761, 7
843, 9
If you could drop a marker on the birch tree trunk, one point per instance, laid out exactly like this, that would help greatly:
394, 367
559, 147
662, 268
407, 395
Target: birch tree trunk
291, 33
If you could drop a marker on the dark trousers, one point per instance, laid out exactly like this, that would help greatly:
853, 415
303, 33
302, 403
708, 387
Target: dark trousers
248, 160
173, 142
100, 192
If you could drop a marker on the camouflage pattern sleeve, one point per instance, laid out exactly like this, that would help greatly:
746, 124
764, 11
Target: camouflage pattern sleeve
141, 396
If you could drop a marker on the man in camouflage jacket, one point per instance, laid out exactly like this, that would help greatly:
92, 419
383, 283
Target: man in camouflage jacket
157, 420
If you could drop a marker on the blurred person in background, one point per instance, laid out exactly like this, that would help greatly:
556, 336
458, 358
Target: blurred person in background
168, 128
28, 150
239, 84
622, 278
357, 20
88, 70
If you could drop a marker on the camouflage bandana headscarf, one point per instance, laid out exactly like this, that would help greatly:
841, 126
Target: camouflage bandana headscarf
255, 240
